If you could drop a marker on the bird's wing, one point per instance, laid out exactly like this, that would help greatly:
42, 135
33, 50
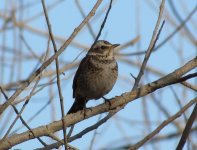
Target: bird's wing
78, 72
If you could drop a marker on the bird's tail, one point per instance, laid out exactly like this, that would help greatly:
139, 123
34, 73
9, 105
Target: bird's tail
79, 104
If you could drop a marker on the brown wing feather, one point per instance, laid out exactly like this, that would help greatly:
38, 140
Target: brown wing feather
83, 61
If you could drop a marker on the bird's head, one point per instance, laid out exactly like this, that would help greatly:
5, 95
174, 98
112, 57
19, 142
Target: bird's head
103, 48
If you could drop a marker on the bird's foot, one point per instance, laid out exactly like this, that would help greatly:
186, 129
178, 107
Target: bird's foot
107, 101
85, 110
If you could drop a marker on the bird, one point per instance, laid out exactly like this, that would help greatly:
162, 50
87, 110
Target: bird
96, 75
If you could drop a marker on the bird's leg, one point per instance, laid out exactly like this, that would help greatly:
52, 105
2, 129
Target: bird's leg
107, 101
85, 109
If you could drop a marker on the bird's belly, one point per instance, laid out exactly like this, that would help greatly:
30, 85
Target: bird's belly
102, 83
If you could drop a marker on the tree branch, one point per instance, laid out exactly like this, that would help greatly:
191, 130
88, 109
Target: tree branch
115, 102
187, 129
163, 124
57, 72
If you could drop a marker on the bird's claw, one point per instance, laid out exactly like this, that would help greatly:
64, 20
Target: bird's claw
85, 110
107, 101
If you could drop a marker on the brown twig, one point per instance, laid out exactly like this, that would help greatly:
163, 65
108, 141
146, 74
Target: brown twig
79, 135
154, 39
174, 10
163, 124
170, 35
22, 120
103, 24
156, 72
27, 100
169, 136
83, 15
58, 73
94, 134
187, 129
50, 60
164, 110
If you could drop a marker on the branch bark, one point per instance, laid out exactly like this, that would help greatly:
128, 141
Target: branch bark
115, 102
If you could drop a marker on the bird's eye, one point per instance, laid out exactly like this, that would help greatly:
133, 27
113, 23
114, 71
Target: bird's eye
103, 47
106, 42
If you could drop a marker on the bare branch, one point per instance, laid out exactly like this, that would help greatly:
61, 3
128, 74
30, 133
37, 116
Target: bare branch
116, 102
154, 39
163, 124
187, 129
51, 59
58, 74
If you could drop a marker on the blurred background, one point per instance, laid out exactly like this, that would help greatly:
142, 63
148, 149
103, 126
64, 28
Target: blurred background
23, 48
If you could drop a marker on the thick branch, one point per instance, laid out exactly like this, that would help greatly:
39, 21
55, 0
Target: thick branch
114, 103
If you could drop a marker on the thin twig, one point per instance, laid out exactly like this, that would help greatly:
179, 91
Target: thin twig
187, 129
103, 24
29, 48
169, 136
170, 35
50, 60
189, 33
163, 124
58, 74
27, 100
79, 135
158, 73
164, 111
88, 24
94, 135
22, 120
154, 39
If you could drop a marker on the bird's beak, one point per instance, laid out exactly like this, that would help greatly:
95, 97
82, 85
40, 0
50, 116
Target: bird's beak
115, 45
